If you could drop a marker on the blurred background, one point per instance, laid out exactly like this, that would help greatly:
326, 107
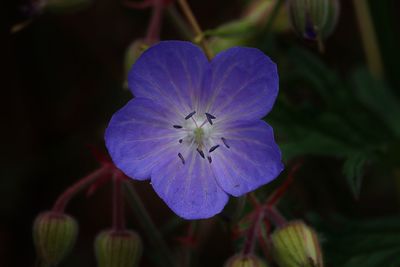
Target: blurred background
63, 77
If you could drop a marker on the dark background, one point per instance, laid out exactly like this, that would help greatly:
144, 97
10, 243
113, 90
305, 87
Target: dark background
62, 79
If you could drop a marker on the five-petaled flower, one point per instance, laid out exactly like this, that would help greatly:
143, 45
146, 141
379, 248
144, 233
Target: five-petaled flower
194, 127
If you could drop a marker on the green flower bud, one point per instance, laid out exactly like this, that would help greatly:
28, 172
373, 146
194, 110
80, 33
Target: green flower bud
296, 245
314, 19
132, 53
241, 260
118, 249
54, 235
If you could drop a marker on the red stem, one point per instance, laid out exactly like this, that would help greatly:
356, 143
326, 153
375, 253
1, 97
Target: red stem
153, 31
253, 232
253, 200
118, 204
276, 196
263, 244
274, 216
64, 198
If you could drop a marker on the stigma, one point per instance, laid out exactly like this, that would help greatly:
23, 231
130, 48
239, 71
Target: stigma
197, 134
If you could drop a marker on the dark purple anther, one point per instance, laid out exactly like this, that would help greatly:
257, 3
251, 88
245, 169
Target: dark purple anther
209, 159
177, 126
210, 118
213, 148
225, 143
190, 115
201, 153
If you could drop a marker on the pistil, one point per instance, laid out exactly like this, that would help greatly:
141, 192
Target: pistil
196, 134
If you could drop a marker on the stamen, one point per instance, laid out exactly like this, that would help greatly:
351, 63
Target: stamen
181, 157
209, 159
190, 115
210, 118
201, 153
177, 126
180, 141
213, 148
225, 143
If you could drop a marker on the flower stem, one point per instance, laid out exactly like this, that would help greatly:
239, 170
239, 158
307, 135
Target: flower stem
369, 39
196, 28
65, 197
191, 243
181, 25
252, 233
153, 31
148, 226
277, 195
273, 15
118, 205
274, 216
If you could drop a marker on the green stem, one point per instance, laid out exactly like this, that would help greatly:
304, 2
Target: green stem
369, 39
147, 224
118, 205
187, 12
273, 15
179, 22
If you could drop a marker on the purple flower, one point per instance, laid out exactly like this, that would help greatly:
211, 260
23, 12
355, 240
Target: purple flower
195, 126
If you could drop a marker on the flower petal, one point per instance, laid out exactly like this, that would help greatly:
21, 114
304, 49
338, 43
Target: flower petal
139, 136
244, 84
170, 72
189, 189
252, 159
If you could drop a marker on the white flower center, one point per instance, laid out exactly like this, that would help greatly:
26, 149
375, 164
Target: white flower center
199, 136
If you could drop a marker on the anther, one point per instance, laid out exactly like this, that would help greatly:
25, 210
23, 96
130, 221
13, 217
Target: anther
209, 159
213, 148
225, 143
201, 153
210, 118
180, 141
177, 126
181, 157
190, 115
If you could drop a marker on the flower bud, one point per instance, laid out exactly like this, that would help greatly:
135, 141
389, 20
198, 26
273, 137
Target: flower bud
314, 19
241, 260
54, 235
296, 245
132, 53
118, 248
